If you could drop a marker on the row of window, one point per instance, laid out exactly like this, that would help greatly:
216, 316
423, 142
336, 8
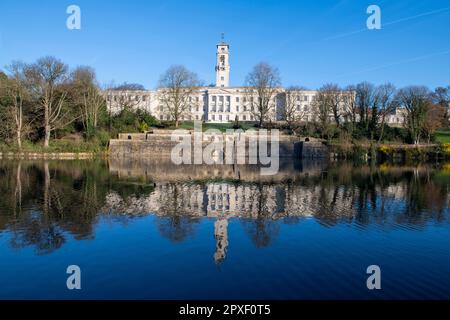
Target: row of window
197, 99
210, 118
127, 98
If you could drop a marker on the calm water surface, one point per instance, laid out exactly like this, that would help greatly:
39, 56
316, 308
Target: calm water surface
151, 230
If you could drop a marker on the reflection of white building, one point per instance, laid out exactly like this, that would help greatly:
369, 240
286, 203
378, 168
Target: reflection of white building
221, 236
226, 200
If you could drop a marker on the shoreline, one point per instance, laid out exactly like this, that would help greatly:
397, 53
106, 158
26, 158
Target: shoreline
392, 151
51, 155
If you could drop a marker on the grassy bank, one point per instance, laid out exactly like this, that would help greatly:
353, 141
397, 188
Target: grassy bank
56, 146
443, 136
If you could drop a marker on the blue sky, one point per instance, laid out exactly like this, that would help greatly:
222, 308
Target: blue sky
311, 42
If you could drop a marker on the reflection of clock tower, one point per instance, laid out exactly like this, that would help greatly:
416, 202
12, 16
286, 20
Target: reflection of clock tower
222, 65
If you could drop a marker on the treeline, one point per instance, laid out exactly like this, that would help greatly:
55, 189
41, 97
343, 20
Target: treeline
355, 112
44, 101
363, 111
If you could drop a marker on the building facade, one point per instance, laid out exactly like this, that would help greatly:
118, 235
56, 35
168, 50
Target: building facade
225, 103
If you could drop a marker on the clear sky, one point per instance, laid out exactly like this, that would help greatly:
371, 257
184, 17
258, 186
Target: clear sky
311, 42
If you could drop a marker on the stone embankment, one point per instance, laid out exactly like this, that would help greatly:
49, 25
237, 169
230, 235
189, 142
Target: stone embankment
47, 155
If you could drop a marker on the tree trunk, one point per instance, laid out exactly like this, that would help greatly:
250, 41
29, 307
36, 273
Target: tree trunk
382, 130
19, 138
18, 192
47, 126
47, 136
46, 189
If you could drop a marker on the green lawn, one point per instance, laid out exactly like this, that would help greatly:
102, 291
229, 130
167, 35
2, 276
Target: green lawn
443, 136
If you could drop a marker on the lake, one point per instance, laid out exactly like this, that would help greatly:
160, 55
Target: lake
151, 230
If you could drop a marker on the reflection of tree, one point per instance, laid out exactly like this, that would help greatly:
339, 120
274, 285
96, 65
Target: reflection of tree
50, 199
43, 202
262, 231
175, 225
38, 232
263, 228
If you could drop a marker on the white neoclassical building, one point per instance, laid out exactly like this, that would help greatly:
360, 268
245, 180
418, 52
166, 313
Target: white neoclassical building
225, 103
219, 103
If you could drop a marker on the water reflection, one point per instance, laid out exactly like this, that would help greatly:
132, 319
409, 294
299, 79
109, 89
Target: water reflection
44, 203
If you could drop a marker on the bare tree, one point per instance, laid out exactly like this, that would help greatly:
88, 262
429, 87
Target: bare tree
441, 96
129, 87
350, 108
416, 100
434, 120
176, 88
16, 92
88, 97
367, 103
322, 108
263, 84
292, 112
334, 98
387, 104
46, 79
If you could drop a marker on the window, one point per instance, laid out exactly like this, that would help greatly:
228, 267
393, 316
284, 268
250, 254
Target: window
237, 99
213, 117
222, 78
144, 98
228, 99
237, 108
221, 99
299, 108
305, 98
244, 118
196, 109
220, 117
228, 118
214, 98
197, 99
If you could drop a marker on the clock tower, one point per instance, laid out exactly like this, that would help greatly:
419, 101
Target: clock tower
223, 65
